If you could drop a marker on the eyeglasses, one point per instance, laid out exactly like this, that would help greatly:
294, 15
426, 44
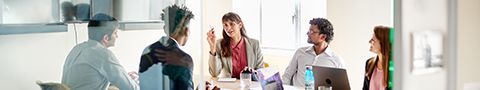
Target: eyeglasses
311, 32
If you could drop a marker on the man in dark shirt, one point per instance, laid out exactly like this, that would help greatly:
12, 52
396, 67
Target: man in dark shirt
155, 58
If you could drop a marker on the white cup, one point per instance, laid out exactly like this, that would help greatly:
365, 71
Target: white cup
245, 80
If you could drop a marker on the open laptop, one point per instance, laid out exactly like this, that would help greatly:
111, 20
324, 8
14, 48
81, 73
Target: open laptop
336, 77
270, 79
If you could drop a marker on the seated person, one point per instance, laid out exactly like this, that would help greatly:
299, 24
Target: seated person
376, 68
164, 57
320, 54
91, 65
235, 51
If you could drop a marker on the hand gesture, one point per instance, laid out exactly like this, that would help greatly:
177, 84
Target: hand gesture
211, 38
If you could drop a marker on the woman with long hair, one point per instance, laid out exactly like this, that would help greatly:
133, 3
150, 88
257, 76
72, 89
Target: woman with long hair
235, 51
376, 70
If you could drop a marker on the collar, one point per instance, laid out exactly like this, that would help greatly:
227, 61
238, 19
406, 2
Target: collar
168, 41
327, 51
240, 43
95, 43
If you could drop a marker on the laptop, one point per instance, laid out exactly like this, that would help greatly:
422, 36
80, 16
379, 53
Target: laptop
334, 77
270, 79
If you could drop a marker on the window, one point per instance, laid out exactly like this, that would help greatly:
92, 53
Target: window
51, 11
142, 10
38, 16
141, 14
29, 11
1, 11
279, 24
310, 9
30, 16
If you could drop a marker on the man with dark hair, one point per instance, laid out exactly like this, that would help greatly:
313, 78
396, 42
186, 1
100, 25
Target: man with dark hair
91, 65
320, 54
164, 57
101, 25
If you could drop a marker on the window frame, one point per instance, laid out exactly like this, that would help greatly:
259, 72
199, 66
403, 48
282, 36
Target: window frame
298, 35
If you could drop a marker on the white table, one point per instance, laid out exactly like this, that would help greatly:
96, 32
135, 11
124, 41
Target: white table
235, 85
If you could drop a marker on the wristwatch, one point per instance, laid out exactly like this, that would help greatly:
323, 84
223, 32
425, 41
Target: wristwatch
213, 54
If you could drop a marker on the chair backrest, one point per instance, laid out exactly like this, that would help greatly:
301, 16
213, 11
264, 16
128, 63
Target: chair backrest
265, 65
52, 86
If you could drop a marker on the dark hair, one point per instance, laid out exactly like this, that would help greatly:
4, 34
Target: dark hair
68, 11
176, 17
225, 43
382, 33
324, 26
100, 25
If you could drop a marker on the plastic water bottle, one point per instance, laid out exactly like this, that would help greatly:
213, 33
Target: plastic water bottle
309, 79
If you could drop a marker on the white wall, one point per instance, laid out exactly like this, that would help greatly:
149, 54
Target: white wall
468, 43
421, 15
130, 45
25, 58
213, 10
131, 10
353, 22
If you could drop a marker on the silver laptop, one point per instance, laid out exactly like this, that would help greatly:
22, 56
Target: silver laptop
335, 77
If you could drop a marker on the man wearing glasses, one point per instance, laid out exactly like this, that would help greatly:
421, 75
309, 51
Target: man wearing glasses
320, 35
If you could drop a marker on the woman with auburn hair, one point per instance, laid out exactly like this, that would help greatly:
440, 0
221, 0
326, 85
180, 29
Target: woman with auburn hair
235, 52
376, 68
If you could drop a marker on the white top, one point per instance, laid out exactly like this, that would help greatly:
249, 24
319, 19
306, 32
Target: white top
91, 66
295, 72
376, 81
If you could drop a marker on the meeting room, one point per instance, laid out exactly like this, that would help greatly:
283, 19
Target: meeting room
239, 44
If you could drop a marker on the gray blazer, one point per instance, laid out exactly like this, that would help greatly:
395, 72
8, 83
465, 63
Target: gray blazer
219, 64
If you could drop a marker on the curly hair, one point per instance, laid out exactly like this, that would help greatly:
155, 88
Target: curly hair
324, 26
176, 18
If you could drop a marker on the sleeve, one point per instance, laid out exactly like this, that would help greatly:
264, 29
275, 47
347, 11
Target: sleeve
215, 62
366, 82
291, 70
342, 63
148, 57
258, 55
117, 75
182, 77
